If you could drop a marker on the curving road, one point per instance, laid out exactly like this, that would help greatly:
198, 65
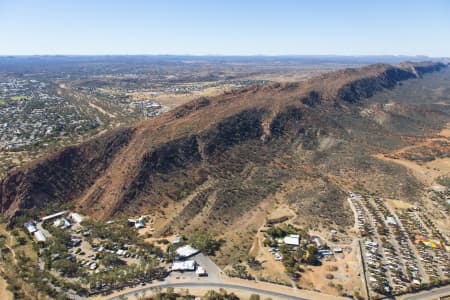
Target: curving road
438, 292
211, 285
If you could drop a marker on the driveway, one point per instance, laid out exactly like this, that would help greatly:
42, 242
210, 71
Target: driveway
214, 272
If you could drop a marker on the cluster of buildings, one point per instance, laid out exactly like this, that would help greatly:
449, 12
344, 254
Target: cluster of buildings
62, 219
185, 263
149, 108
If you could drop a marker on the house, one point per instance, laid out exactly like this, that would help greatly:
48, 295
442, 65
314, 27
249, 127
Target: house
76, 218
177, 239
30, 227
39, 236
62, 223
139, 225
186, 251
292, 239
185, 265
317, 240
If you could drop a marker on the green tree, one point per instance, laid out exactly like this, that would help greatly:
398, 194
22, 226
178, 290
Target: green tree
109, 259
222, 295
205, 242
66, 267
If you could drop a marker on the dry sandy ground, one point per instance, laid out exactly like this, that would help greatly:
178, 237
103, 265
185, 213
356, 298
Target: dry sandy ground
172, 100
271, 269
344, 268
397, 204
427, 172
4, 293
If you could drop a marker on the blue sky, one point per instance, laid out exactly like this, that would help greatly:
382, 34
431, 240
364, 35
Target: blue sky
269, 27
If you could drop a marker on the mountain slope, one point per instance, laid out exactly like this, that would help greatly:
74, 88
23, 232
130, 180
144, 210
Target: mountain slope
215, 163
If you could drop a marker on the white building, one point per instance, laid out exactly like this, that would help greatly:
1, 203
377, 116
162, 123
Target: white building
177, 239
186, 251
30, 227
186, 265
77, 218
39, 236
317, 240
62, 223
138, 225
292, 239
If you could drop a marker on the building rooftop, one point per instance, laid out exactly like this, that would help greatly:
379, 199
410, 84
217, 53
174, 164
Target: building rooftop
186, 251
292, 239
40, 237
186, 265
49, 217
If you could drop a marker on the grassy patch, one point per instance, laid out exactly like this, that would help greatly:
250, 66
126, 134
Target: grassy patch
20, 97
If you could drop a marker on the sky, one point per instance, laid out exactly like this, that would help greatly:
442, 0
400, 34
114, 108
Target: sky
225, 27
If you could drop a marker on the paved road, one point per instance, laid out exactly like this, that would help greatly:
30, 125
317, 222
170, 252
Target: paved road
438, 292
211, 285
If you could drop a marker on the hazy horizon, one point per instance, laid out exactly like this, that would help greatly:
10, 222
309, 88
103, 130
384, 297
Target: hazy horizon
227, 55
